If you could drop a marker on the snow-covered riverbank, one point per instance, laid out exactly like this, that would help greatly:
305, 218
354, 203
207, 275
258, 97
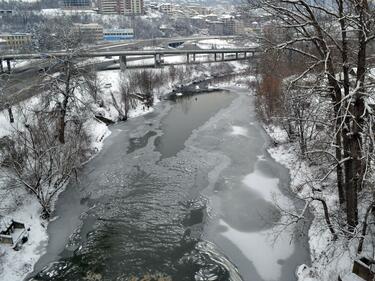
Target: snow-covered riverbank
326, 262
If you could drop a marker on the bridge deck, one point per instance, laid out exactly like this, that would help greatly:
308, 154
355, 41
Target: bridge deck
92, 54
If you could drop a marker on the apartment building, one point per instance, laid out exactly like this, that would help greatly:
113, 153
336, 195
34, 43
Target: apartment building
134, 7
77, 4
111, 6
166, 8
89, 33
215, 27
15, 40
122, 7
232, 26
197, 10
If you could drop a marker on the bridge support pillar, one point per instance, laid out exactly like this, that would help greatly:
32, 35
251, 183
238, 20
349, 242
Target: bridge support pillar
158, 58
1, 66
222, 56
236, 56
194, 57
188, 58
123, 63
9, 67
244, 55
215, 56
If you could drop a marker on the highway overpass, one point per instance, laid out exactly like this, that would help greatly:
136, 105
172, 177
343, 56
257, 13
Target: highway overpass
219, 55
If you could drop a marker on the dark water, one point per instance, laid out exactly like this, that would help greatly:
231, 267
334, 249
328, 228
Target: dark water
166, 199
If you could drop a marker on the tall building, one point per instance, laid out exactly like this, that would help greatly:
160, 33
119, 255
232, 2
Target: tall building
77, 4
124, 7
111, 6
232, 26
134, 7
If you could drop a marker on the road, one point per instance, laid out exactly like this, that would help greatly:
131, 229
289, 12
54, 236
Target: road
25, 79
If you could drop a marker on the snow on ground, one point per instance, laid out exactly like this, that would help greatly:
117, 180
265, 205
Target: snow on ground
322, 248
215, 44
97, 131
61, 12
15, 265
174, 59
22, 63
19, 205
6, 127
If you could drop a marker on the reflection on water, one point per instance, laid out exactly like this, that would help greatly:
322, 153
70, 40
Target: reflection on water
189, 113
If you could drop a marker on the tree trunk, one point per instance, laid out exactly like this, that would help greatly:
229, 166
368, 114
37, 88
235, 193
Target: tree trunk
364, 228
339, 118
339, 171
350, 185
326, 216
64, 105
61, 120
355, 177
10, 113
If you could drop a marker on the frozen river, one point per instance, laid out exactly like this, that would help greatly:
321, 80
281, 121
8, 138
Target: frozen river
187, 192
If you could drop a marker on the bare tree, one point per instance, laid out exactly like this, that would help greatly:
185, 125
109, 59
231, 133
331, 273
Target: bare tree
38, 161
126, 100
334, 38
67, 80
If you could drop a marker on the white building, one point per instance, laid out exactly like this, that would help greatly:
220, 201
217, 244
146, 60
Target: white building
166, 8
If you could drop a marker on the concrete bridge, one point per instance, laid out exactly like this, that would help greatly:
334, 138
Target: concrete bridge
158, 55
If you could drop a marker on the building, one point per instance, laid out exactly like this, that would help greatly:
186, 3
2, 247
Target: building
232, 26
198, 20
122, 7
211, 17
134, 7
215, 27
118, 34
198, 10
111, 6
77, 4
153, 6
166, 8
89, 33
15, 40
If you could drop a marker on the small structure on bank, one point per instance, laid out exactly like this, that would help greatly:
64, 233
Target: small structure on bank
363, 270
13, 233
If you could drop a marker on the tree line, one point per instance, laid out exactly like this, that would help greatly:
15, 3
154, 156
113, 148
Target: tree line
316, 83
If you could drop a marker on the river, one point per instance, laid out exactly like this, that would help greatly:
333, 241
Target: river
187, 192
